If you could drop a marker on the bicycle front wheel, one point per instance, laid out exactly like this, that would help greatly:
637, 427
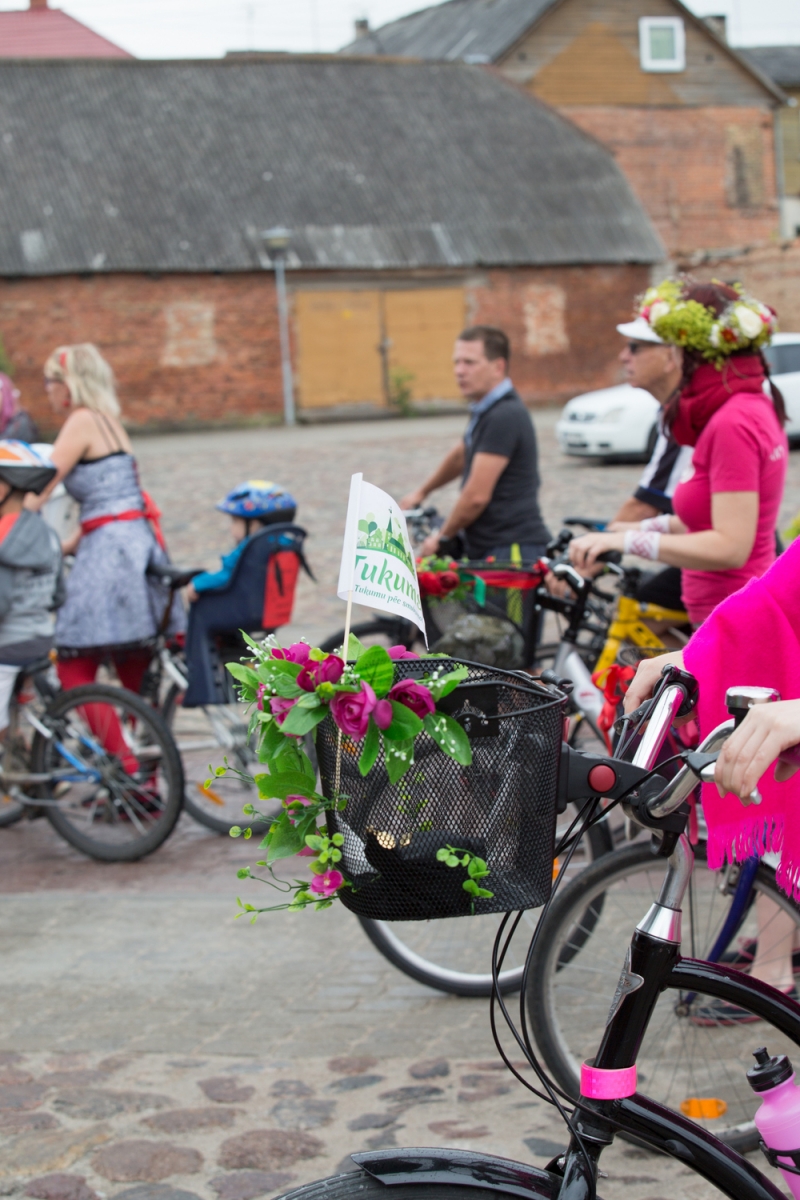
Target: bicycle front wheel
117, 786
697, 1068
454, 955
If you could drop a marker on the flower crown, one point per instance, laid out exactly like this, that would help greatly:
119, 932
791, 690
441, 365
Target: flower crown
744, 324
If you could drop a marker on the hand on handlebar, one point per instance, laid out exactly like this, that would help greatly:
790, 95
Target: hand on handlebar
647, 676
584, 551
413, 500
766, 731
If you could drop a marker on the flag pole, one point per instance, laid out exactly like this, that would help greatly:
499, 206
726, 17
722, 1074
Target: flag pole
347, 620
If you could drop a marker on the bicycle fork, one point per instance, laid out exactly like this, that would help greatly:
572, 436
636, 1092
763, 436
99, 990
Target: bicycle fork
608, 1083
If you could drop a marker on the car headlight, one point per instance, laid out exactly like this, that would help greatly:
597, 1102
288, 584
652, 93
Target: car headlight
613, 415
582, 416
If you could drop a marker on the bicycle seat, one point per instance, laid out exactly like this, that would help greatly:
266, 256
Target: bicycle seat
176, 577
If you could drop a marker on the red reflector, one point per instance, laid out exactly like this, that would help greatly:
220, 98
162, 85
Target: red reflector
602, 778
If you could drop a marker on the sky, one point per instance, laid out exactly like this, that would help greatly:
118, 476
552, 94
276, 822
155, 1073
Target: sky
208, 28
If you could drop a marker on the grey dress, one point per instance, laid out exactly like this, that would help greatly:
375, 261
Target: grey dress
110, 601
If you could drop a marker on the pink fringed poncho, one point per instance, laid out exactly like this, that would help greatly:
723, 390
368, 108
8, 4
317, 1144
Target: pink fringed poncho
753, 638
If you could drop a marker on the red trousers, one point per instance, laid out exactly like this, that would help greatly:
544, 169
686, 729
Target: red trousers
101, 718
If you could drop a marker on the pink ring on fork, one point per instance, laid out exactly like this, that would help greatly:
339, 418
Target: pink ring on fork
597, 1084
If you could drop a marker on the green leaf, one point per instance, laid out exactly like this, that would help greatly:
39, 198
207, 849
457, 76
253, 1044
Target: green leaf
286, 687
447, 683
314, 842
283, 784
300, 720
443, 854
284, 839
469, 885
477, 868
399, 757
354, 649
369, 753
449, 736
243, 674
272, 740
309, 700
267, 671
377, 669
405, 723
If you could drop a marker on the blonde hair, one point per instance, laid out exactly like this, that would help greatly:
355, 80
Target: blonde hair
87, 375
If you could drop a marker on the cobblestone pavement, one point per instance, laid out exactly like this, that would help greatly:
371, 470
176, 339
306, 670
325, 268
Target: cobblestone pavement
153, 1048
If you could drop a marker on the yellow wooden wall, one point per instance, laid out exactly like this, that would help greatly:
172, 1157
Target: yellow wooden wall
350, 343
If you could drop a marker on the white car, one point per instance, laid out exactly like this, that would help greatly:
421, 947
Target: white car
622, 422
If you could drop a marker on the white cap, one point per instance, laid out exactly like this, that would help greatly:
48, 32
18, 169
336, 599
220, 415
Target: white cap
640, 331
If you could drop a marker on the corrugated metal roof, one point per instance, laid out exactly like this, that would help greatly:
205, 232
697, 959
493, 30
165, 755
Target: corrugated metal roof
51, 33
475, 30
176, 167
779, 63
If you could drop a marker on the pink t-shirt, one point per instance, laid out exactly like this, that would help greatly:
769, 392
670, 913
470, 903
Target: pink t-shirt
742, 449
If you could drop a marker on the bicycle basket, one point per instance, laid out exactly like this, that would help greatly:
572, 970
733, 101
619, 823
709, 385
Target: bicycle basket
502, 808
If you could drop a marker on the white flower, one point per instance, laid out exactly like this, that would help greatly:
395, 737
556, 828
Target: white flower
713, 336
660, 309
748, 321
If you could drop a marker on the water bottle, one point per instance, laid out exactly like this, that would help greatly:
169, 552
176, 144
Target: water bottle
778, 1118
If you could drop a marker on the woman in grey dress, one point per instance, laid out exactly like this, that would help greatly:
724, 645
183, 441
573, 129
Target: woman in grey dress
112, 609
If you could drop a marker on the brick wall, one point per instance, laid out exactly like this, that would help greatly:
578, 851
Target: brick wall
186, 349
772, 274
706, 176
203, 349
561, 324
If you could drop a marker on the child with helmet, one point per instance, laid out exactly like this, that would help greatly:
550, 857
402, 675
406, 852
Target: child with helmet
220, 602
31, 585
251, 505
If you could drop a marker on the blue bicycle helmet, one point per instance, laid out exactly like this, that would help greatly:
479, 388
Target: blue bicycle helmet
260, 500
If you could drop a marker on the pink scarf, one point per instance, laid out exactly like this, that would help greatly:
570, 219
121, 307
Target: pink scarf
753, 638
708, 389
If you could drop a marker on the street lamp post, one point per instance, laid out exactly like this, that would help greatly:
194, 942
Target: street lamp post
277, 242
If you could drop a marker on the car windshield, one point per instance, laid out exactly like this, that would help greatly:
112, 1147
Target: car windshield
783, 359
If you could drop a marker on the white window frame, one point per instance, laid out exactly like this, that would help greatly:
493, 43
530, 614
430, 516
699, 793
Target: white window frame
678, 63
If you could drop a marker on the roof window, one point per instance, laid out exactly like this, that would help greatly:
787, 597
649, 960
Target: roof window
662, 44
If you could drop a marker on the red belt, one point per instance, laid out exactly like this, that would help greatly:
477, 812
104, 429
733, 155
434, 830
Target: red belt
149, 513
132, 514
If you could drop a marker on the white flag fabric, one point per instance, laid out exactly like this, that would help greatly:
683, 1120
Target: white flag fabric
377, 560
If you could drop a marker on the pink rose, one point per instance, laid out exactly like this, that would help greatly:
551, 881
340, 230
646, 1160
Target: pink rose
351, 710
382, 716
297, 653
325, 885
314, 673
279, 707
400, 652
414, 696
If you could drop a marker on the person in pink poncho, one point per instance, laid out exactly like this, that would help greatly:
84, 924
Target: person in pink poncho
752, 638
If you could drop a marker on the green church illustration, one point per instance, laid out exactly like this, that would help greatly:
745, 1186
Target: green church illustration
390, 540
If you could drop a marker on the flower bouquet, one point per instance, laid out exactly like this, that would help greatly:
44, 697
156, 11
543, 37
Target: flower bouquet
291, 692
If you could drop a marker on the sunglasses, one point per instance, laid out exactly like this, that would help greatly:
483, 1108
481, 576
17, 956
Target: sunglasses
637, 347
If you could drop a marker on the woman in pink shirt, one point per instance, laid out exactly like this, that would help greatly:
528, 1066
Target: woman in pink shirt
726, 509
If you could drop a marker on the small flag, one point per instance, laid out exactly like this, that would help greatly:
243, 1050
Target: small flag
377, 561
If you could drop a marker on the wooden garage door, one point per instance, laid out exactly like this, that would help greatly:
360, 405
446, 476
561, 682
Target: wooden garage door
421, 325
340, 335
338, 351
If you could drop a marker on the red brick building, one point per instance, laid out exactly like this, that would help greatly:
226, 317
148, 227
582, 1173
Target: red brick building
689, 121
132, 196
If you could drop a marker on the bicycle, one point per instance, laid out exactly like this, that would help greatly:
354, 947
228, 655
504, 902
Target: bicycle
609, 1104
201, 733
113, 805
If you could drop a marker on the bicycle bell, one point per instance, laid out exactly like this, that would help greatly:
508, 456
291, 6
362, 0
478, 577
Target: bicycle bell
739, 699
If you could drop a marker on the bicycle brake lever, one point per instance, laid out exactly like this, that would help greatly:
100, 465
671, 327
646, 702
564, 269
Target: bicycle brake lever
703, 767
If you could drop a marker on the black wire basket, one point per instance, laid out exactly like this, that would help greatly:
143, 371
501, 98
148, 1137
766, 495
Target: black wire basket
502, 808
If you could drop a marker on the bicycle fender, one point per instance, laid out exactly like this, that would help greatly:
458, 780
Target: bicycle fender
726, 983
460, 1168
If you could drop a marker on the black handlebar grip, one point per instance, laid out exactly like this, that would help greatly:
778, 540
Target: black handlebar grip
610, 556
